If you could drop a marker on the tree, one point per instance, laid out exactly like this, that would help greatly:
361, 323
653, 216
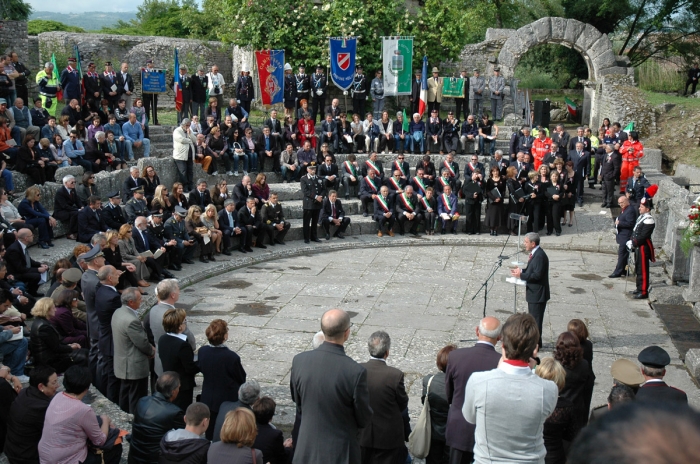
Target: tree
155, 17
37, 26
15, 10
604, 15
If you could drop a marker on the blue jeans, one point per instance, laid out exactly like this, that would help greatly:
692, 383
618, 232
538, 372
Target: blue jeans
252, 160
15, 355
293, 175
7, 177
417, 138
492, 145
12, 152
401, 147
16, 134
236, 157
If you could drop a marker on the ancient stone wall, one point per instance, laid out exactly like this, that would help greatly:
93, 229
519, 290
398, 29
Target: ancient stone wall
13, 37
619, 100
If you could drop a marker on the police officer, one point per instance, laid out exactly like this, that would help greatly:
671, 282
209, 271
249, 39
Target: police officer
318, 93
70, 82
642, 245
48, 87
290, 91
303, 85
136, 206
359, 91
623, 372
175, 230
112, 212
377, 91
477, 85
654, 360
497, 85
313, 188
273, 220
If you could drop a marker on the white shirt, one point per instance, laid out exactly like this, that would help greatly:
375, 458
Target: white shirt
216, 80
182, 337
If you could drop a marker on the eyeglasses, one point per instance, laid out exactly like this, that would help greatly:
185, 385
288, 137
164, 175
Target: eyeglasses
401, 157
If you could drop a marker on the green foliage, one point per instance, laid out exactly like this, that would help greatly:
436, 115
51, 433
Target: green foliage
659, 76
156, 17
604, 15
37, 26
535, 78
551, 66
15, 10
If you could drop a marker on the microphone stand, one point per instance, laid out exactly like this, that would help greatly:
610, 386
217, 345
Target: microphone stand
497, 265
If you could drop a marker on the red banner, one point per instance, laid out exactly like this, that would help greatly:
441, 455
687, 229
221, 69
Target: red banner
271, 72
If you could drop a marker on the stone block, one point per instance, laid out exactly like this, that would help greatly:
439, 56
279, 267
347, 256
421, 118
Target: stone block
652, 159
599, 47
542, 28
613, 70
680, 264
515, 46
605, 60
506, 59
558, 28
692, 362
587, 37
75, 171
527, 36
574, 29
493, 34
21, 182
692, 292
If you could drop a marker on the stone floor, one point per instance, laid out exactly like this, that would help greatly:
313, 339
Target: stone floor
423, 298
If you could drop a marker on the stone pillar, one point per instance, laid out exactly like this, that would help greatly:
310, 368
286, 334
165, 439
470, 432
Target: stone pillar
681, 264
589, 94
692, 293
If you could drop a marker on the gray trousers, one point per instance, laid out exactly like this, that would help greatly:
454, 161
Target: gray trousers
475, 106
497, 108
377, 108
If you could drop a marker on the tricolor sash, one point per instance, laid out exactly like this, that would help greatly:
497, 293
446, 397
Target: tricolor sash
350, 168
383, 204
371, 184
398, 166
446, 202
420, 184
395, 184
449, 168
371, 165
406, 202
426, 204
445, 182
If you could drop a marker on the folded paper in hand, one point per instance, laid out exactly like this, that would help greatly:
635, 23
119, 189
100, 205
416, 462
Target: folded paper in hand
150, 254
515, 280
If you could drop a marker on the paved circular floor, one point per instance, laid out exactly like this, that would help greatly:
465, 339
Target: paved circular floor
423, 298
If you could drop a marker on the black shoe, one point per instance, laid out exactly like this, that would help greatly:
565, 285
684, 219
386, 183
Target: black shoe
328, 236
339, 235
347, 197
272, 243
641, 296
43, 245
549, 233
365, 214
316, 240
243, 250
167, 275
454, 232
49, 243
442, 232
279, 242
634, 292
261, 246
604, 205
226, 253
173, 267
211, 257
188, 261
614, 276
558, 234
307, 241
203, 260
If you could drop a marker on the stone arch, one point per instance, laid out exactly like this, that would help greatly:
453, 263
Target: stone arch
594, 46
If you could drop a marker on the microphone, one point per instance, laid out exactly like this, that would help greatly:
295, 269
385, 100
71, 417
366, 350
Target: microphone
503, 257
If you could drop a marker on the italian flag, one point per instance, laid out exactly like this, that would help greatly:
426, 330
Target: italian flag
423, 103
571, 107
177, 85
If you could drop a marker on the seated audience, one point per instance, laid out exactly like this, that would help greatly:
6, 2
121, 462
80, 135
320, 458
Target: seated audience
88, 187
210, 221
36, 216
20, 264
70, 329
66, 206
113, 257
130, 254
14, 352
219, 194
46, 344
196, 229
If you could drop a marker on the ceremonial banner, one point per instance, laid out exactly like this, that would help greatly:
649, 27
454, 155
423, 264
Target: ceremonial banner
453, 87
153, 81
397, 54
79, 68
176, 83
423, 103
59, 94
343, 51
271, 72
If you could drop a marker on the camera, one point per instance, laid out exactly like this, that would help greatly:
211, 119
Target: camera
216, 89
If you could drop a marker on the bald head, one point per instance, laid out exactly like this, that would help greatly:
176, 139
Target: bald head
489, 330
335, 324
623, 201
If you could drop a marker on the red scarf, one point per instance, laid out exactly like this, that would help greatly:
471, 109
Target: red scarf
516, 363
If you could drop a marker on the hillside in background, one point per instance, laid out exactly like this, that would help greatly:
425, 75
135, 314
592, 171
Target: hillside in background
90, 21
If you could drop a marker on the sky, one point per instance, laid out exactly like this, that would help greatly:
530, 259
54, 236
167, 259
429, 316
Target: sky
76, 6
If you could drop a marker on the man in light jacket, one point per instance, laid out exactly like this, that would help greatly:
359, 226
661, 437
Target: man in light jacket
184, 142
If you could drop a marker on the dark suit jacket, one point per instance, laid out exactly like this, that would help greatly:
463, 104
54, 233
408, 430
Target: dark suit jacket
461, 364
89, 224
107, 301
327, 211
274, 128
240, 194
196, 199
537, 277
379, 211
335, 114
128, 185
269, 441
658, 392
177, 355
199, 88
563, 143
388, 398
113, 217
260, 146
581, 163
247, 219
224, 222
325, 171
153, 242
92, 85
223, 375
106, 84
17, 262
121, 81
574, 140
311, 188
324, 380
63, 201
626, 219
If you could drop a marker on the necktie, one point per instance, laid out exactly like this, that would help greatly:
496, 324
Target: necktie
333, 211
145, 239
230, 219
530, 257
27, 258
75, 145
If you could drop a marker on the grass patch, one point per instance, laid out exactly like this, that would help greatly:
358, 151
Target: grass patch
659, 77
655, 99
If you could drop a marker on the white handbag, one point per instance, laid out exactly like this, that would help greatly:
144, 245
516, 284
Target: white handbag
419, 439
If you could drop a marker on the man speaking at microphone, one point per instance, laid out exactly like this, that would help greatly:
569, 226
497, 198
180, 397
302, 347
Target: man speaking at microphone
536, 277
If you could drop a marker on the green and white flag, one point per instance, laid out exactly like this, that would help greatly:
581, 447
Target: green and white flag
397, 55
453, 87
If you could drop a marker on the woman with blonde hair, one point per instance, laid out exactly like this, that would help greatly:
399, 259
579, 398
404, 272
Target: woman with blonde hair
145, 268
211, 222
36, 215
199, 232
47, 345
63, 126
237, 437
559, 426
161, 202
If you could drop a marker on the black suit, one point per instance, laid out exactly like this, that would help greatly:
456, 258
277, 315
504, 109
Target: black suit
177, 355
325, 171
328, 212
16, 260
201, 199
323, 380
382, 440
659, 392
536, 276
253, 224
461, 364
270, 442
625, 226
92, 86
409, 205
609, 171
129, 81
311, 188
274, 147
113, 216
90, 222
129, 183
379, 212
335, 113
415, 95
228, 227
107, 82
107, 301
240, 194
271, 216
152, 244
65, 208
